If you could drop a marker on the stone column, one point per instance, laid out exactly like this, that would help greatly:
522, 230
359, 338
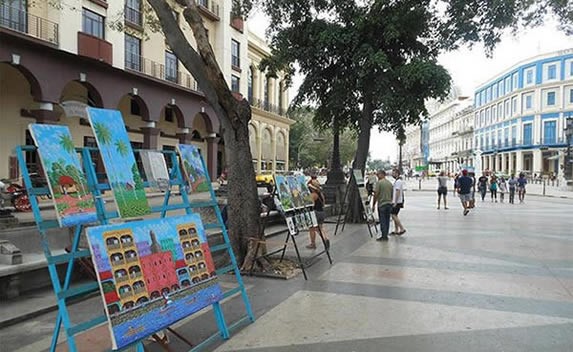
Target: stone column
212, 149
537, 161
184, 138
150, 137
518, 162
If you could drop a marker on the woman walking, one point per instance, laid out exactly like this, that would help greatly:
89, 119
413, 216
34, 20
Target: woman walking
493, 188
502, 188
318, 198
442, 188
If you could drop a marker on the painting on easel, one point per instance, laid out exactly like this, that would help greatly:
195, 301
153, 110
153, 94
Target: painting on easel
193, 167
284, 193
295, 190
305, 192
119, 161
155, 169
67, 182
152, 273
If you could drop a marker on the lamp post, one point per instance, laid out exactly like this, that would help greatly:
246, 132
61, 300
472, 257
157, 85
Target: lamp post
304, 143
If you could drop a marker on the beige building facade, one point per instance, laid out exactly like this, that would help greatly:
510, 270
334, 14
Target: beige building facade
56, 60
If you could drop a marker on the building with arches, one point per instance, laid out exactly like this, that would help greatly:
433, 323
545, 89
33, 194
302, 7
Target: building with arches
520, 116
54, 61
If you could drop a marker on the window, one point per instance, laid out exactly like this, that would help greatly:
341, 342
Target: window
513, 135
488, 95
527, 136
552, 72
499, 110
13, 14
507, 85
570, 96
507, 108
235, 84
93, 24
493, 113
528, 102
515, 81
549, 129
506, 137
133, 11
494, 91
132, 52
235, 53
501, 88
250, 80
171, 66
514, 105
550, 98
529, 76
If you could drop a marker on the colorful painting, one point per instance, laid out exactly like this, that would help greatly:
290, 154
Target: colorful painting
155, 169
284, 193
152, 273
72, 198
295, 191
193, 167
305, 192
120, 166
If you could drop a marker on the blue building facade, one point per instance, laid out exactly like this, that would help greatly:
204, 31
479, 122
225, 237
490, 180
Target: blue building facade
520, 116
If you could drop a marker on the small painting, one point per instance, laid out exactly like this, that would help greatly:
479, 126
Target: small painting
155, 169
119, 161
66, 180
291, 226
358, 177
305, 192
193, 167
284, 193
152, 273
295, 190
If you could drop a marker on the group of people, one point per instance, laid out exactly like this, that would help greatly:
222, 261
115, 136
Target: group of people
388, 199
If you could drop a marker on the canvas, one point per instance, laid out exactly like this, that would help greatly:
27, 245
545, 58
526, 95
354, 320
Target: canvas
67, 182
358, 177
155, 169
120, 166
152, 273
284, 193
295, 191
193, 167
305, 192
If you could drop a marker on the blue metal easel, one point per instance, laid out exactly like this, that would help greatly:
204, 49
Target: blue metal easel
63, 291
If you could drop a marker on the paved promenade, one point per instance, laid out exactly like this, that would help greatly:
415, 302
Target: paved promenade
499, 279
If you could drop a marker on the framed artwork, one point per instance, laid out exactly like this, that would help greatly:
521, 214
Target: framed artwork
291, 225
284, 192
304, 191
120, 166
358, 177
155, 169
295, 190
152, 273
193, 167
66, 179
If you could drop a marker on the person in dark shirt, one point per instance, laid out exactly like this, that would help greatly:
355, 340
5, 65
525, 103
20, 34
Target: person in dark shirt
465, 190
482, 186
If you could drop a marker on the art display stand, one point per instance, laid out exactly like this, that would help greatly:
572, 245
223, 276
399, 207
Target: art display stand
63, 290
292, 232
367, 214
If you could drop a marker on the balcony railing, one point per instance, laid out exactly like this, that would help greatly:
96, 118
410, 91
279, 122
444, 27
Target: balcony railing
157, 70
266, 106
28, 24
133, 15
210, 8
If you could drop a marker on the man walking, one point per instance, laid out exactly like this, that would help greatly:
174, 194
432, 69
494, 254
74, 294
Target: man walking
383, 197
512, 185
443, 188
397, 203
464, 190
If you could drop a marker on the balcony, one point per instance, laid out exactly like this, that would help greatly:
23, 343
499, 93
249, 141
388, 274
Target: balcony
95, 47
133, 16
22, 22
266, 106
209, 8
157, 70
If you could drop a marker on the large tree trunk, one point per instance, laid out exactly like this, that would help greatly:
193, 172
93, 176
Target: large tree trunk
355, 211
243, 202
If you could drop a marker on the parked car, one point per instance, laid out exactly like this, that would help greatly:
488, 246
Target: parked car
264, 179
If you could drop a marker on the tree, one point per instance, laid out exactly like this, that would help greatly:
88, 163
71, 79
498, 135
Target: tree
68, 145
234, 115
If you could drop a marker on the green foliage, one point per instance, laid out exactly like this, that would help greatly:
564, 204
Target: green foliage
137, 177
86, 204
132, 203
62, 206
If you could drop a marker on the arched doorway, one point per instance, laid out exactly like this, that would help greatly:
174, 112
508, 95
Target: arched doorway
254, 145
281, 154
267, 156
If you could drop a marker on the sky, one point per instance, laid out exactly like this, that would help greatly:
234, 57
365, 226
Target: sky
468, 67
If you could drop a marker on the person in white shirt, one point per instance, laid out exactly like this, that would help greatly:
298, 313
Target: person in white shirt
397, 203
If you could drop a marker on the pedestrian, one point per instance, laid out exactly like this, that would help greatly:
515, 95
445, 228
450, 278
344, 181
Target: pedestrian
397, 203
493, 187
521, 182
472, 203
464, 191
502, 185
371, 183
383, 198
442, 189
512, 183
319, 201
482, 186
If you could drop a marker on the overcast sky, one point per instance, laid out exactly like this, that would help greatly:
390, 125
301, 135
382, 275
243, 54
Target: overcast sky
468, 67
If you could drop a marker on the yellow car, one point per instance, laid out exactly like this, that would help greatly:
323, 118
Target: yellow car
265, 178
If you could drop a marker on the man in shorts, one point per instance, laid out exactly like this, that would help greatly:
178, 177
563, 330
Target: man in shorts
521, 182
397, 203
465, 191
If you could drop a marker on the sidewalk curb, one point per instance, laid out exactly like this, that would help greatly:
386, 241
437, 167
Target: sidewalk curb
528, 194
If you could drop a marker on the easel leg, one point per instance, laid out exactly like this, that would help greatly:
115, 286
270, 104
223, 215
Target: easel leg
254, 259
299, 258
284, 247
220, 318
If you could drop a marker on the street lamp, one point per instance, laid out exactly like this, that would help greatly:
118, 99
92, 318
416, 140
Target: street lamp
316, 139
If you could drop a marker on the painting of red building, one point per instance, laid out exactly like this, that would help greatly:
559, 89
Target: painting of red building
207, 258
159, 270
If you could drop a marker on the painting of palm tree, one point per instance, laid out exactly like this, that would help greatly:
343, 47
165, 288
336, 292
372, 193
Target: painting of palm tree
115, 148
193, 167
64, 174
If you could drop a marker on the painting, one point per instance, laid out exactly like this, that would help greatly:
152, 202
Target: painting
358, 177
305, 192
284, 193
67, 182
120, 166
193, 167
152, 273
295, 190
155, 169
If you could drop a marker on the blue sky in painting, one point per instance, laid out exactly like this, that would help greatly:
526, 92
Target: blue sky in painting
121, 170
47, 138
188, 153
163, 229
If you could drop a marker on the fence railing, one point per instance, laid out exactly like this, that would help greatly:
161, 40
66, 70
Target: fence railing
266, 106
158, 70
28, 24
